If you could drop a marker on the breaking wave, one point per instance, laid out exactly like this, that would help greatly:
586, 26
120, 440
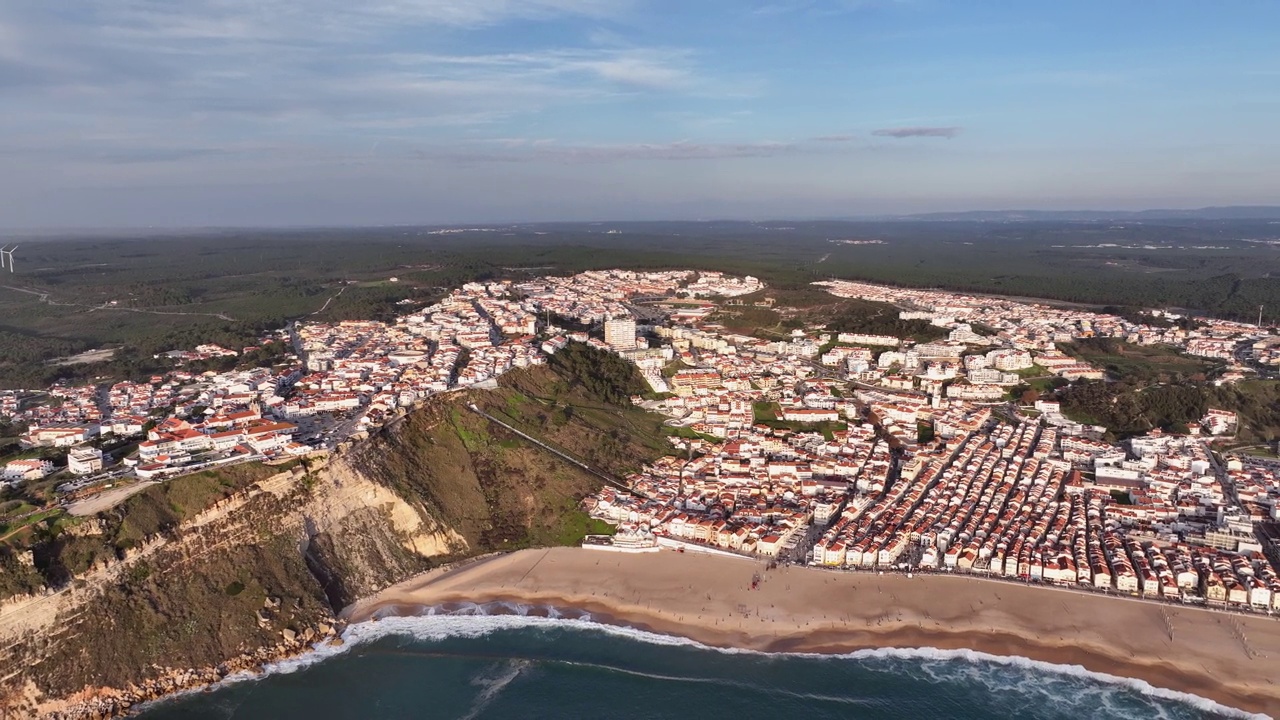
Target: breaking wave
1032, 684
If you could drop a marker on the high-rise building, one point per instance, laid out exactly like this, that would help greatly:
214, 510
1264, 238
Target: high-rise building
620, 333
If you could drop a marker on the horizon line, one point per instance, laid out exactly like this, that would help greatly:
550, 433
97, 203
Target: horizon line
1150, 213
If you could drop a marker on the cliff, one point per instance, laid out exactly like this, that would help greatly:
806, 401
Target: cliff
208, 574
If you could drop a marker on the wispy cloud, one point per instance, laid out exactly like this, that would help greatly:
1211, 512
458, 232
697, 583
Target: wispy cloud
821, 8
530, 151
320, 69
835, 138
654, 68
264, 19
910, 132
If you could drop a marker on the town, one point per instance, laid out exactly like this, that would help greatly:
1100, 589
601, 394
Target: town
845, 450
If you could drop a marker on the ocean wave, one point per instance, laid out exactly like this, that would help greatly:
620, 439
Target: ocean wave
724, 682
975, 666
492, 684
470, 620
435, 625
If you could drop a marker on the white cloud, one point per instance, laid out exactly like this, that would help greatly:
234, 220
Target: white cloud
231, 20
521, 150
640, 70
323, 69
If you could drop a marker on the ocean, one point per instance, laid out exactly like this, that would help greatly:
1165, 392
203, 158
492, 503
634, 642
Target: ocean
484, 666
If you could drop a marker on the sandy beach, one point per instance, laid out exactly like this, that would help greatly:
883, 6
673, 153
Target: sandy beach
1231, 659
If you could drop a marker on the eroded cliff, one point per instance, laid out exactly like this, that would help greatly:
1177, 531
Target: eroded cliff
201, 576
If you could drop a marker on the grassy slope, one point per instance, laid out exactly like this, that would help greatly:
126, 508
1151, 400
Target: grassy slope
801, 307
1125, 361
188, 604
497, 490
177, 609
60, 552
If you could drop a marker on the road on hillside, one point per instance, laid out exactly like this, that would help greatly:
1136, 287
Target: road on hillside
557, 452
107, 499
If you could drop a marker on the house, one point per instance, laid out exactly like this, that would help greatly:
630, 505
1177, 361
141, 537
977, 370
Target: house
18, 470
809, 415
60, 436
127, 425
84, 460
1219, 422
769, 545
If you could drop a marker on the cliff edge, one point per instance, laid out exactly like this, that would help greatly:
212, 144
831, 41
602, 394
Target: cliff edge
222, 571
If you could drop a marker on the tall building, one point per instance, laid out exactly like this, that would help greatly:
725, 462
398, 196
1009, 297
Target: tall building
620, 333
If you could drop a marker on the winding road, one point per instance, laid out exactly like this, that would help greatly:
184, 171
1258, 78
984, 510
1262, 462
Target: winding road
44, 297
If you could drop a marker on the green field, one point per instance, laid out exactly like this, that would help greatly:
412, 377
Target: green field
767, 413
1140, 363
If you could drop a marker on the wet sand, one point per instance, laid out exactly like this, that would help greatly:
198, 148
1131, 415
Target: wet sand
1232, 659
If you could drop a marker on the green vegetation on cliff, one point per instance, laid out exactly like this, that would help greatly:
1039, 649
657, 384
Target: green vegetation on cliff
194, 614
145, 588
1257, 402
1139, 363
603, 376
1129, 409
63, 546
161, 592
874, 318
497, 490
1126, 410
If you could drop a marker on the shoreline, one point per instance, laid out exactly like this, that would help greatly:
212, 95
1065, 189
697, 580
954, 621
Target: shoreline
109, 702
1198, 652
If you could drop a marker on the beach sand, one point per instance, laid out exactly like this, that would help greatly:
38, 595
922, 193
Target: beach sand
1232, 659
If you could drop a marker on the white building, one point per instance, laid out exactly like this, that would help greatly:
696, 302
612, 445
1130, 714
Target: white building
620, 333
84, 460
27, 469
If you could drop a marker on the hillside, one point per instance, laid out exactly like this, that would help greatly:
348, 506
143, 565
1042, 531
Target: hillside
216, 574
494, 489
1128, 408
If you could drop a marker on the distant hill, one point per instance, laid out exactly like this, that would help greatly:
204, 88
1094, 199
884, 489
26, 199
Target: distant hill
1233, 212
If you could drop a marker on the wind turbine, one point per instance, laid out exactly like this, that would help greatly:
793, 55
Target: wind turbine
9, 252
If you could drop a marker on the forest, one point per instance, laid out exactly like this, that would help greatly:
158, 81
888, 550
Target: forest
146, 294
1141, 363
872, 318
602, 374
1128, 408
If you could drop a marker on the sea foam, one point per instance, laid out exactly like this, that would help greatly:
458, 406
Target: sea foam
1036, 681
959, 664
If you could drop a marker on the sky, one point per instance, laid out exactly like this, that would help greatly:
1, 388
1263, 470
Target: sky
165, 113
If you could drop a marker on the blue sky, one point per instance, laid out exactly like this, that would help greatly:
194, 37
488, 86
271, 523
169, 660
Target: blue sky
131, 113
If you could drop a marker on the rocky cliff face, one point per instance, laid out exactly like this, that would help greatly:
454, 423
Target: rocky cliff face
358, 535
237, 583
260, 568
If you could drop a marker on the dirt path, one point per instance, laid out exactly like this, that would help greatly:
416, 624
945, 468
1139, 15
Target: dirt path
44, 297
107, 500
